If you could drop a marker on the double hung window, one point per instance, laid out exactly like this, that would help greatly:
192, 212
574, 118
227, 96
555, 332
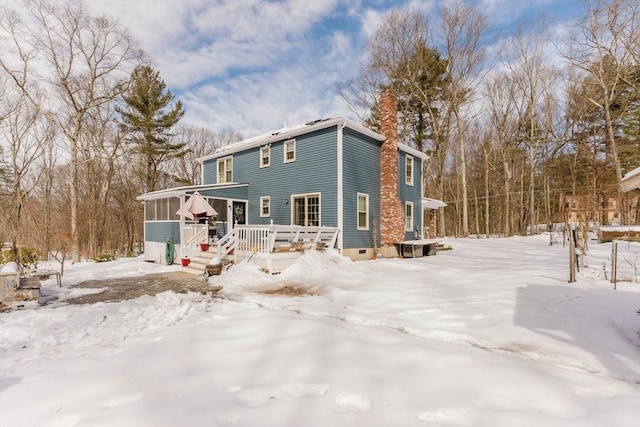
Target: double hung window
363, 211
225, 170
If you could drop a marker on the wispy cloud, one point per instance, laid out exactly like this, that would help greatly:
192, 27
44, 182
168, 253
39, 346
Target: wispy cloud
251, 65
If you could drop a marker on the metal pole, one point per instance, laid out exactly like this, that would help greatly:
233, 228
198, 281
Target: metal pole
572, 258
614, 263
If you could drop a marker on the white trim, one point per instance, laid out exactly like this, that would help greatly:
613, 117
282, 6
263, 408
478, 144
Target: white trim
366, 219
268, 200
268, 148
412, 151
284, 148
408, 160
406, 205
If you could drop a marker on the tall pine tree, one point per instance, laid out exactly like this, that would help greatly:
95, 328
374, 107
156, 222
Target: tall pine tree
148, 118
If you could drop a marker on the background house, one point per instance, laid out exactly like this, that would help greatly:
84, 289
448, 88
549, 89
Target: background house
580, 208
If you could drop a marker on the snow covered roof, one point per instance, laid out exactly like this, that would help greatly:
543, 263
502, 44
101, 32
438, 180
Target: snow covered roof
181, 191
292, 132
432, 203
631, 180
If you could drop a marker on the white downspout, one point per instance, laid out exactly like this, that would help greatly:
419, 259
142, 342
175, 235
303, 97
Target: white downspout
340, 188
182, 225
421, 196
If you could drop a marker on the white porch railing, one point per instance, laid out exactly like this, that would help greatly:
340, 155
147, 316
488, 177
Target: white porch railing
261, 241
193, 235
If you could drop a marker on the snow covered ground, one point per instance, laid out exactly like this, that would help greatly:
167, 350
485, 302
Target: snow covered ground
488, 334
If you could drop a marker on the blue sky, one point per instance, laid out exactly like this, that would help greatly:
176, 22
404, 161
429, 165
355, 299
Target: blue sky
254, 65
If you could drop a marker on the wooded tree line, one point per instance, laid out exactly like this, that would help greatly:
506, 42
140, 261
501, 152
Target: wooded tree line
512, 129
87, 124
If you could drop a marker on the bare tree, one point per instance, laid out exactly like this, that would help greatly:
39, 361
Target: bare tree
604, 47
534, 80
462, 30
200, 142
81, 62
25, 131
500, 96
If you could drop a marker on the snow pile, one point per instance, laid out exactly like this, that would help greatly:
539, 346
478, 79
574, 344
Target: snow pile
10, 267
489, 333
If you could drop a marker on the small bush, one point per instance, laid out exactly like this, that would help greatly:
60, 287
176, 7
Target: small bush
104, 258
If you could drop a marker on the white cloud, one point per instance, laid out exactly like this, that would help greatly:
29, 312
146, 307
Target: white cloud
251, 65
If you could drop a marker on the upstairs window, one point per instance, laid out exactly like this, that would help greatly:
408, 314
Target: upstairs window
408, 216
265, 206
290, 151
225, 170
363, 211
408, 170
265, 156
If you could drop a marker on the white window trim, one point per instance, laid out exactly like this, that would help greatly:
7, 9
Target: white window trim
268, 200
408, 179
268, 149
306, 195
293, 143
223, 161
358, 226
406, 205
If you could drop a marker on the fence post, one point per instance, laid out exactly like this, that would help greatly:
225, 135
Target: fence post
614, 263
572, 257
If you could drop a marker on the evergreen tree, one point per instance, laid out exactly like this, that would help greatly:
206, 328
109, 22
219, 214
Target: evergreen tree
148, 118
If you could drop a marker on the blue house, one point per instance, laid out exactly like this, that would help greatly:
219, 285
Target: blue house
363, 191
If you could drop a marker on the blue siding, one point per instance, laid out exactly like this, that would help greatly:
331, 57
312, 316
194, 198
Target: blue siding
209, 172
241, 193
411, 193
161, 231
361, 174
313, 171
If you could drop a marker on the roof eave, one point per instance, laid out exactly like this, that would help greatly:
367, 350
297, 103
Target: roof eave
291, 133
181, 191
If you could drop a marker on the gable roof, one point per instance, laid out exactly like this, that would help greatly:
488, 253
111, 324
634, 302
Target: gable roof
289, 133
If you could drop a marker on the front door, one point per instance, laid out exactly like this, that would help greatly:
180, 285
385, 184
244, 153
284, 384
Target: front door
239, 212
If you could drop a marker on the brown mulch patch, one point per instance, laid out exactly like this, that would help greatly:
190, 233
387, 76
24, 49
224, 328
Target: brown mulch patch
292, 291
151, 284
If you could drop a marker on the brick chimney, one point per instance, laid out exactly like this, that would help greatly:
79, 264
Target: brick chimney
391, 208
